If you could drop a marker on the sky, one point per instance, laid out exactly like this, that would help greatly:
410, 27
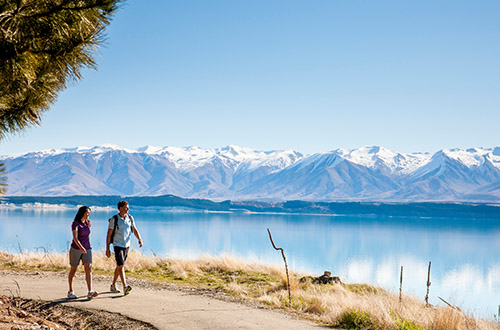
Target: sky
312, 76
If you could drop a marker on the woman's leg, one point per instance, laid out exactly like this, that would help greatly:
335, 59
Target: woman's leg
71, 275
88, 275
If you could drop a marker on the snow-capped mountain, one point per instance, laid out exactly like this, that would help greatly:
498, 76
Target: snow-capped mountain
365, 174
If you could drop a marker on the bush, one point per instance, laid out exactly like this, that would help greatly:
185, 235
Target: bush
407, 325
356, 320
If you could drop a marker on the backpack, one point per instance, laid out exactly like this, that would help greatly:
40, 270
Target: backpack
115, 217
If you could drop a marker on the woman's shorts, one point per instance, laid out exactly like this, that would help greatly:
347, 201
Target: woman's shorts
120, 255
75, 255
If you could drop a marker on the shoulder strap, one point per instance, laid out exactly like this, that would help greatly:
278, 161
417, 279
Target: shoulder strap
115, 217
112, 238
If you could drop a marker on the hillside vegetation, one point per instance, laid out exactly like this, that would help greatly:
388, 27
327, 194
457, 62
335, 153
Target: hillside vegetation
346, 306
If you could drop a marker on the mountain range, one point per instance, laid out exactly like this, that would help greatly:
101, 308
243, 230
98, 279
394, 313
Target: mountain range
236, 173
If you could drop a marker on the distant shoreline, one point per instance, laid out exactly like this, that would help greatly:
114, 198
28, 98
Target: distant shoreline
385, 209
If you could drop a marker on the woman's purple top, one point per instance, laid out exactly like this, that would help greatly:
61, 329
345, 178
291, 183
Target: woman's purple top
83, 234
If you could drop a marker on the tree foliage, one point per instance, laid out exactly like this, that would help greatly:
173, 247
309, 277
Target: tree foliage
43, 45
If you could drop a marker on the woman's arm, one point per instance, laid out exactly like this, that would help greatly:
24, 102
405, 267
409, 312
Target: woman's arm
108, 241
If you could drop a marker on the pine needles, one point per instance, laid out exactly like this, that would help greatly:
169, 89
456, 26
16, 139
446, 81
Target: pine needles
43, 45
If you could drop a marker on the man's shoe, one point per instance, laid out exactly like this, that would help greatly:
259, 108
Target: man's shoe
114, 289
92, 294
127, 290
72, 295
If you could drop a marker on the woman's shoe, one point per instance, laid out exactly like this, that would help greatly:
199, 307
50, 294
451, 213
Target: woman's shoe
92, 294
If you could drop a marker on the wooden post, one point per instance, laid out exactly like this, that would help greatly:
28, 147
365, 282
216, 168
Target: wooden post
400, 284
428, 284
286, 267
447, 303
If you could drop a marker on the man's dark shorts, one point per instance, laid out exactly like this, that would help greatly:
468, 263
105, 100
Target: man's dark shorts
120, 255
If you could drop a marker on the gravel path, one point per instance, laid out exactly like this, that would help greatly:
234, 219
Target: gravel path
164, 308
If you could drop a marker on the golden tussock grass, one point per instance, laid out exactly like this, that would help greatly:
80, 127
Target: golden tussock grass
349, 306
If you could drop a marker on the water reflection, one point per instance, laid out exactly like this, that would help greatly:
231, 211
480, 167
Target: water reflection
465, 253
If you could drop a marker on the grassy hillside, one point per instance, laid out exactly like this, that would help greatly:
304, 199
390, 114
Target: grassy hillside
346, 306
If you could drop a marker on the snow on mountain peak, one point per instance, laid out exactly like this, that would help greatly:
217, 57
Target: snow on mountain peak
150, 150
235, 150
373, 156
471, 157
369, 172
84, 149
187, 158
238, 153
368, 156
106, 147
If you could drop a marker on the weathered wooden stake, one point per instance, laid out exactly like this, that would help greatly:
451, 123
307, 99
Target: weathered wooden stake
286, 266
428, 284
400, 284
447, 303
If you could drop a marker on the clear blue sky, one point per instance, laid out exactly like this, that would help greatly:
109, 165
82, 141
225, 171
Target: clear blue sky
312, 76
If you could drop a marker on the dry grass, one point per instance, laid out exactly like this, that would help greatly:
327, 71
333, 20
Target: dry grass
349, 306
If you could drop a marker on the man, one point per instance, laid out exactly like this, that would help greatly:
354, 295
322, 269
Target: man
123, 226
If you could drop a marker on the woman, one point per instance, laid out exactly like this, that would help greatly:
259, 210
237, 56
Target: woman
81, 250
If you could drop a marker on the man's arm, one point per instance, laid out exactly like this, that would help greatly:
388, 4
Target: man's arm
136, 233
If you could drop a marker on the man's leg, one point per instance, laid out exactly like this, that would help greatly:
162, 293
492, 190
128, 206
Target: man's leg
119, 265
126, 288
121, 273
113, 287
121, 256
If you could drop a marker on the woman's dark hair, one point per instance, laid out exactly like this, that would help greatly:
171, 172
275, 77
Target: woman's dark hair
81, 212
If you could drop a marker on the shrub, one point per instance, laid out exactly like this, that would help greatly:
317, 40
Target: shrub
353, 319
407, 325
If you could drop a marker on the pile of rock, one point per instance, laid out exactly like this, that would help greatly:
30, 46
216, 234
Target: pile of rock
326, 278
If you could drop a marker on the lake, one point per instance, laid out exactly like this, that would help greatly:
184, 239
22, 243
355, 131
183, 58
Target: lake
465, 253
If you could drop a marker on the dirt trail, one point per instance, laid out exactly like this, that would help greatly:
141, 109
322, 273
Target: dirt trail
163, 308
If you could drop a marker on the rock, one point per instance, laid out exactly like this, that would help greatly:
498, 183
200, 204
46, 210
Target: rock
326, 278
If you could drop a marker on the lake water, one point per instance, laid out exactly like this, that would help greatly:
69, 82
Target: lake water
465, 253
